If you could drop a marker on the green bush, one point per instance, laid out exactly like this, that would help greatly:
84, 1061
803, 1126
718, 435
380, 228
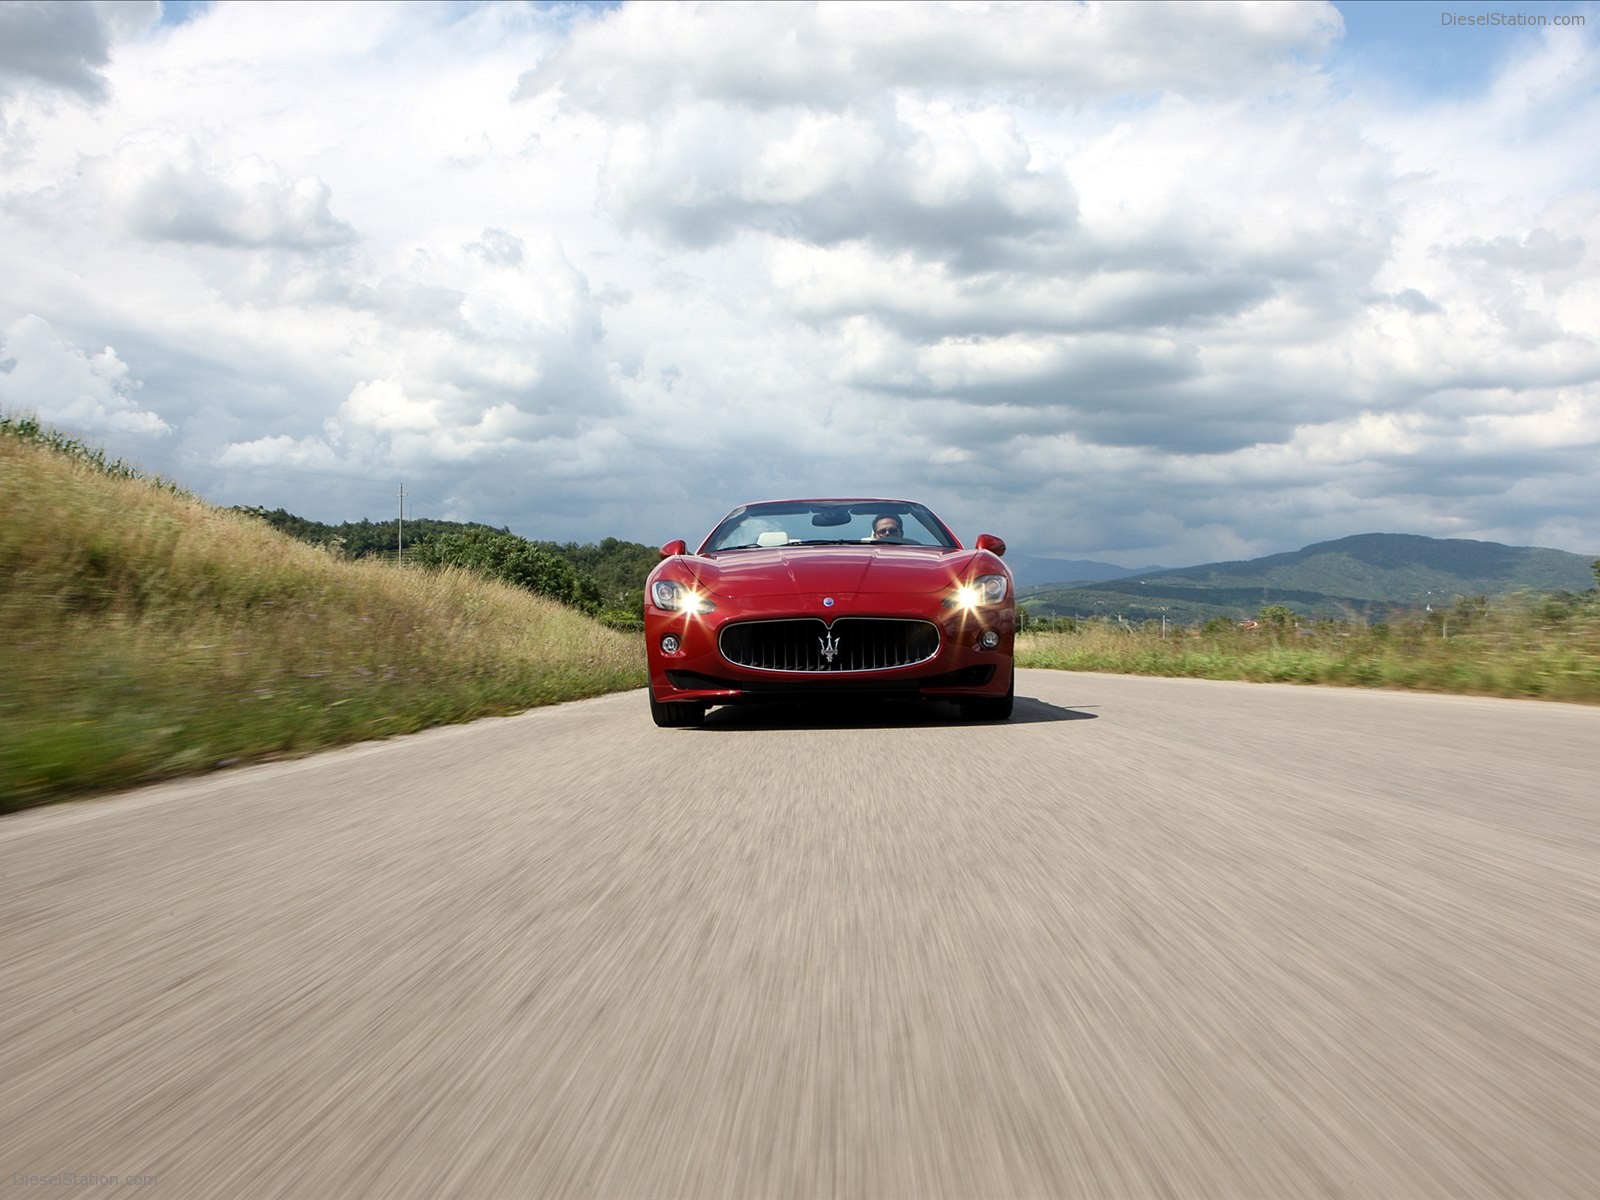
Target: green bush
513, 560
620, 618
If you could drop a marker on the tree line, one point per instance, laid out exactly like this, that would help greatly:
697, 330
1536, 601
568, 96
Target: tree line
604, 580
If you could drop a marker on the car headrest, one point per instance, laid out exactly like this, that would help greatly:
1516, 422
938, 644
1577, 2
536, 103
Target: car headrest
772, 537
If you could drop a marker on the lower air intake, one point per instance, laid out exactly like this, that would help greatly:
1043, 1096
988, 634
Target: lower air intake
809, 646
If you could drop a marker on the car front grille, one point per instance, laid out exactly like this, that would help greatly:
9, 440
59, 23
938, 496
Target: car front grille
811, 647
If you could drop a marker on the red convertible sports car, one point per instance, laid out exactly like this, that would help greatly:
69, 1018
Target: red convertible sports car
830, 599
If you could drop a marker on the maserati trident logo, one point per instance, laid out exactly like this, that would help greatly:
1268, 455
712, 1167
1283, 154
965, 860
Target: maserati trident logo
830, 647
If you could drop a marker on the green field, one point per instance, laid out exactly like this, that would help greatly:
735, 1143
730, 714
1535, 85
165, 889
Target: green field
1535, 647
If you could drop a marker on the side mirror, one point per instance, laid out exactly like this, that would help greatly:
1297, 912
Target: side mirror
994, 545
677, 547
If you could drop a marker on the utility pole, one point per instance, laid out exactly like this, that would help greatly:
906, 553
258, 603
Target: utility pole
400, 531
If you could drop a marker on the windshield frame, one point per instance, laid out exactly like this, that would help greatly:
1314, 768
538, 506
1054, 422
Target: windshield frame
911, 514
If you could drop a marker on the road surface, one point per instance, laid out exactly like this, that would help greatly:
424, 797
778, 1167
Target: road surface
1152, 938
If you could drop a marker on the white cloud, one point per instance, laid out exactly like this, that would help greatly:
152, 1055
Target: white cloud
279, 451
65, 47
947, 183
171, 191
383, 406
52, 52
42, 373
650, 59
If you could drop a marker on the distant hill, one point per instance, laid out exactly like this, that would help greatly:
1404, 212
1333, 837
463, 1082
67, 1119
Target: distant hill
1030, 572
1361, 577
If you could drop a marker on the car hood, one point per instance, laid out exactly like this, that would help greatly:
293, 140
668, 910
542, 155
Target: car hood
802, 570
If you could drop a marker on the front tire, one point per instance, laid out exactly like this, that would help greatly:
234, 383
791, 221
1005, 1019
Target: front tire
992, 708
675, 716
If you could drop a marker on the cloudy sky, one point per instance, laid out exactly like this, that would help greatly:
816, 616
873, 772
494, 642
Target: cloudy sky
1145, 283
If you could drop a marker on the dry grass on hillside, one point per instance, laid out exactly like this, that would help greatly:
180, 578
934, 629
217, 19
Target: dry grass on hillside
144, 633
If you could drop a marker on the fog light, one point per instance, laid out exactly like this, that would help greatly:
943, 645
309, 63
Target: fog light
989, 640
669, 644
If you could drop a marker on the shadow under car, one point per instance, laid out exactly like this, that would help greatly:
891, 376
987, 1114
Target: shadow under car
877, 714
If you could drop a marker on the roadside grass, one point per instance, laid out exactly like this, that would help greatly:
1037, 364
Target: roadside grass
145, 634
1533, 648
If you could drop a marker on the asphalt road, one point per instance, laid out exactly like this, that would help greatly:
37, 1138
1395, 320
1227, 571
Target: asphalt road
1152, 938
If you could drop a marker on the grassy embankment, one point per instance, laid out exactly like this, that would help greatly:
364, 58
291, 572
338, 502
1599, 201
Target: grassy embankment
1532, 647
144, 634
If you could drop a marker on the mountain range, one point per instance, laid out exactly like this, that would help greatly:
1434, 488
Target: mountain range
1028, 571
1361, 577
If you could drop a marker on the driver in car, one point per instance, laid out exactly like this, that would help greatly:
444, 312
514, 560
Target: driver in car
887, 528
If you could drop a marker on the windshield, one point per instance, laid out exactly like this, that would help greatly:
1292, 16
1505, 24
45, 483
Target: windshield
829, 523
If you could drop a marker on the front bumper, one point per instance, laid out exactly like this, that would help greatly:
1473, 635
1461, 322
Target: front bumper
697, 672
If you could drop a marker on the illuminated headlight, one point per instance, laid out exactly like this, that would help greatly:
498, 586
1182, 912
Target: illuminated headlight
675, 598
985, 589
